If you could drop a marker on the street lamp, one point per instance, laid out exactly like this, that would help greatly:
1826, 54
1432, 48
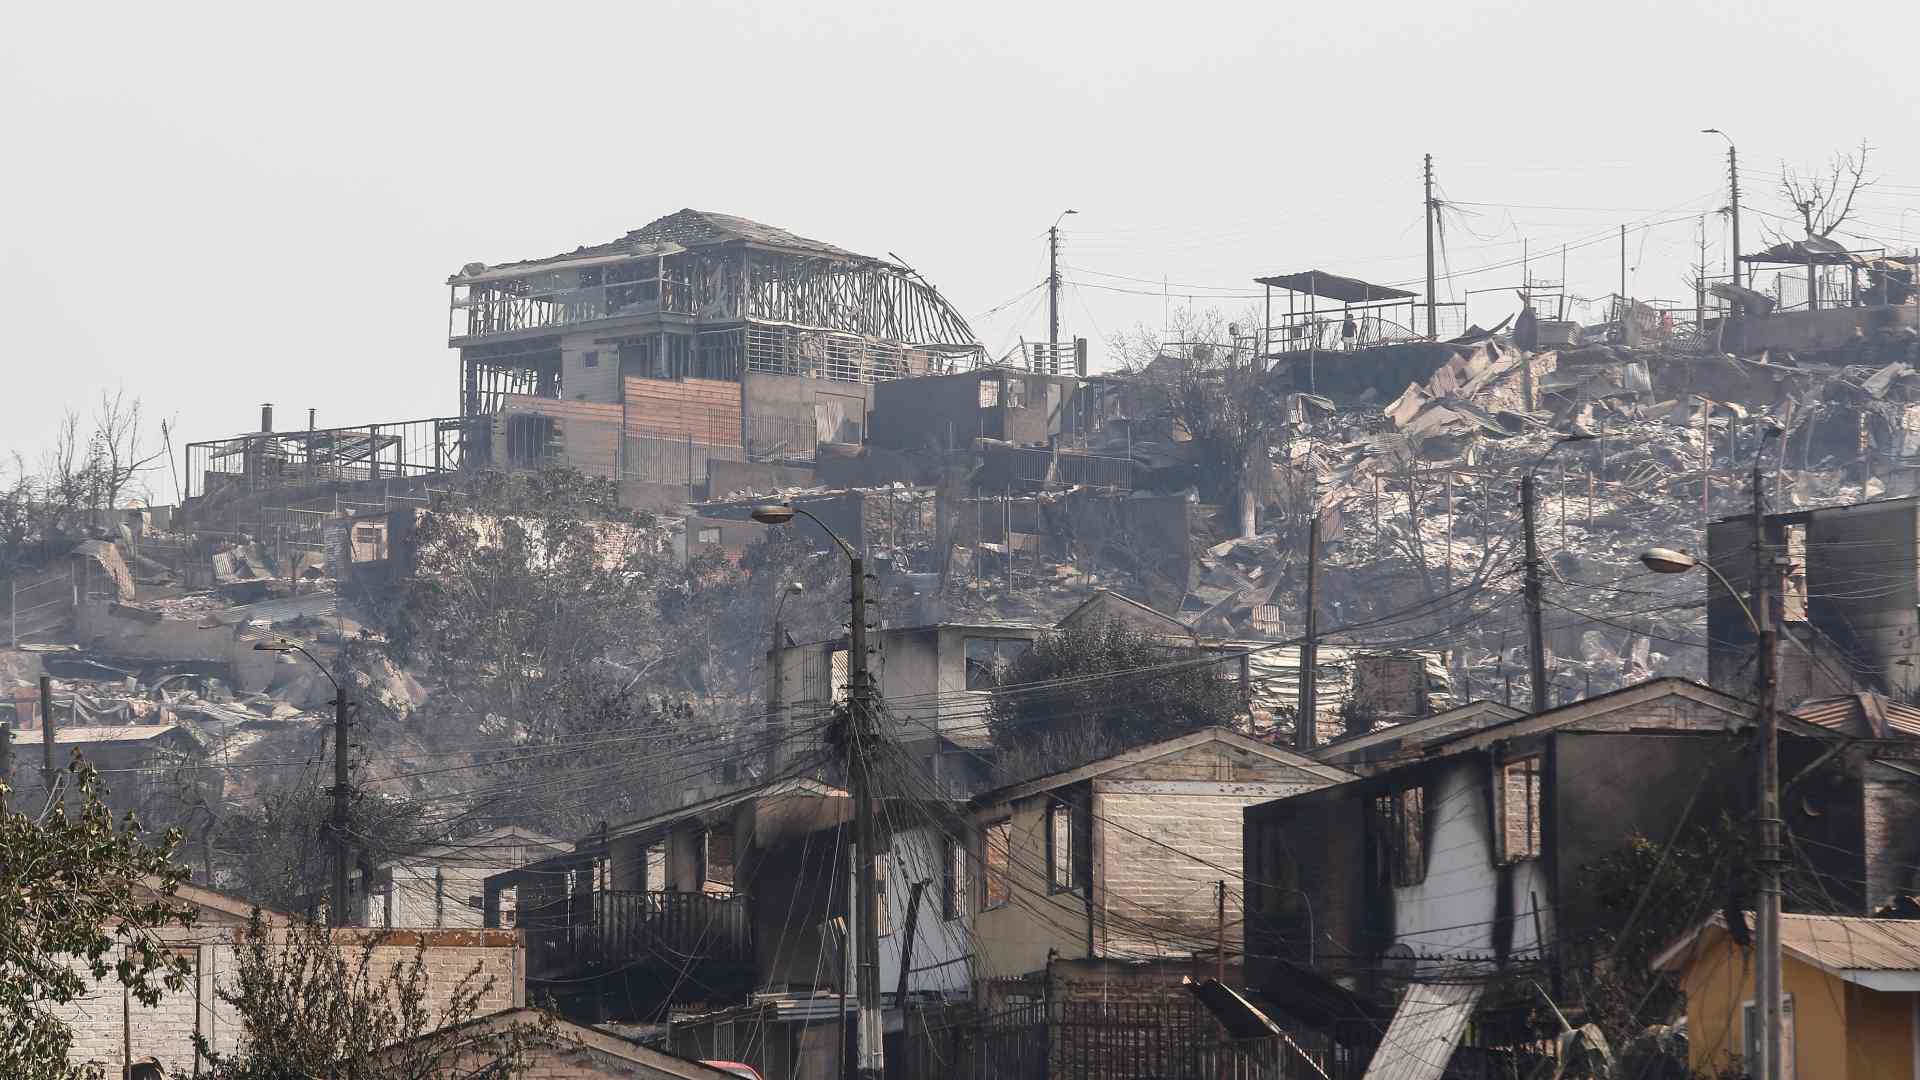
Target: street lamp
872, 1051
337, 907
1536, 631
1759, 615
1053, 290
1733, 198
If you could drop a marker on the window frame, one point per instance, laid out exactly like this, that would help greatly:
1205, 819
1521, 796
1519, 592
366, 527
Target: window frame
1400, 818
953, 897
1063, 815
1535, 768
1789, 1036
989, 874
998, 665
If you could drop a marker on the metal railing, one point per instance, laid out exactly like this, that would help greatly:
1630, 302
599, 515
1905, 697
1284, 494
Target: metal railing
501, 309
262, 460
609, 930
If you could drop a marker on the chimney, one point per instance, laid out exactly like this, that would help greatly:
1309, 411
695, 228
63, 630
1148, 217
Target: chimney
266, 417
311, 414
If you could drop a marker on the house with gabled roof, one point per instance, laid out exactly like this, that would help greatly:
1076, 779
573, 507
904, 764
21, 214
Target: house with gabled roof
1118, 858
1463, 850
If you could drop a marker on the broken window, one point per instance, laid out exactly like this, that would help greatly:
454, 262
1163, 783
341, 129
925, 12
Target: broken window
838, 675
953, 878
720, 856
1401, 824
996, 858
990, 392
988, 659
1068, 848
1016, 393
1520, 809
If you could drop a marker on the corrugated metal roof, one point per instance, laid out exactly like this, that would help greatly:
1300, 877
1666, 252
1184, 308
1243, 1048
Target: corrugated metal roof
1425, 1030
76, 735
1864, 715
1847, 943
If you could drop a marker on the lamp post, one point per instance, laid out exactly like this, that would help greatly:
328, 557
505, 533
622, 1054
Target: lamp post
1759, 615
871, 1054
337, 906
1053, 294
1536, 632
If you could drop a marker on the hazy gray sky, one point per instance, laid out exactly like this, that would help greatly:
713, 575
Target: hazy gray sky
218, 207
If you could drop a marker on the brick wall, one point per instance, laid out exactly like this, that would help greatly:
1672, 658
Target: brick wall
166, 1030
1891, 843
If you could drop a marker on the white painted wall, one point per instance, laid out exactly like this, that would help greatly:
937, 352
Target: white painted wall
1454, 909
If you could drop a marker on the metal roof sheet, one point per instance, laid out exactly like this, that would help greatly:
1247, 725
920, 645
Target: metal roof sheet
1865, 715
1849, 943
1335, 287
1425, 1030
77, 735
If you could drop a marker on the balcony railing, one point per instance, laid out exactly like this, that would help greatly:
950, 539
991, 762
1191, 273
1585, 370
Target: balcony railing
605, 931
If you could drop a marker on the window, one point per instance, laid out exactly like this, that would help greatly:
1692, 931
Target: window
953, 878
590, 359
839, 675
708, 536
1068, 847
679, 355
1400, 820
1016, 393
990, 392
1519, 796
719, 856
996, 858
1750, 1031
989, 658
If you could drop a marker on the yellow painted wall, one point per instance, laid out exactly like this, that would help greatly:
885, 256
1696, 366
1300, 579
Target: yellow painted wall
1840, 1031
1014, 938
1880, 1035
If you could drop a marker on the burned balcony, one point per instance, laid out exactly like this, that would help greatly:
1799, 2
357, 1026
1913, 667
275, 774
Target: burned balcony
685, 946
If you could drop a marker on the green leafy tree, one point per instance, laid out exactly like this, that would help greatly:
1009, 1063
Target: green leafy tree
1086, 691
310, 1007
82, 899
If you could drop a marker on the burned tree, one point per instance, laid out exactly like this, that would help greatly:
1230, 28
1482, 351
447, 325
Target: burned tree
1200, 378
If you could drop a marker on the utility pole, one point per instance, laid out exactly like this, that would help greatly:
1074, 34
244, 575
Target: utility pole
871, 1052
1220, 936
47, 770
337, 908
1767, 965
1433, 333
1813, 282
1053, 289
1700, 281
1053, 292
1733, 204
1306, 725
1536, 634
1623, 283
